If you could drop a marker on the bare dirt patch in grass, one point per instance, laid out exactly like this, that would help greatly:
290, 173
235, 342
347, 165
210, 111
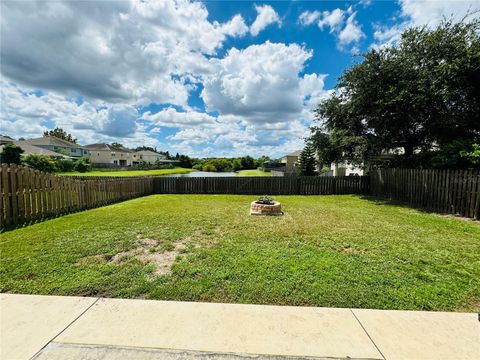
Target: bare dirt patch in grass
351, 250
147, 251
473, 304
93, 260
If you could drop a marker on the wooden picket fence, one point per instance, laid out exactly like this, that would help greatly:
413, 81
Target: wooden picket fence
443, 191
288, 185
28, 195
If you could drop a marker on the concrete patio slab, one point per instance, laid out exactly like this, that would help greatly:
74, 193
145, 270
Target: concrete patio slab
29, 322
423, 335
54, 328
224, 328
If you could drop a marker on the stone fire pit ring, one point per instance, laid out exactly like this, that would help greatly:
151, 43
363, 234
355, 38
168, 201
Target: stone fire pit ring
274, 209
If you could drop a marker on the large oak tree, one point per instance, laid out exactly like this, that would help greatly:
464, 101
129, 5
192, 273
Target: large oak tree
421, 97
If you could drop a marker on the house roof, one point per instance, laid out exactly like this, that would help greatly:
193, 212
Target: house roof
52, 140
6, 139
295, 153
148, 152
32, 149
107, 147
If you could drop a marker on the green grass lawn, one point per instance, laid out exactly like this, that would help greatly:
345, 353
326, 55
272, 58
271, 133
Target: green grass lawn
254, 172
338, 251
129, 172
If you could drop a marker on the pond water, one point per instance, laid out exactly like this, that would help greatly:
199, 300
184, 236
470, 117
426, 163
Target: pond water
205, 174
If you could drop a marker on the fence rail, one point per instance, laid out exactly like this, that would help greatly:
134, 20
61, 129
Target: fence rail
443, 191
28, 195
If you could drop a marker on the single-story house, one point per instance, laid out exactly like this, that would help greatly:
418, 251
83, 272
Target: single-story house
64, 147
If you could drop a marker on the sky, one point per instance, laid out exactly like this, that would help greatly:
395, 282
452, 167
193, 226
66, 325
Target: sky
205, 79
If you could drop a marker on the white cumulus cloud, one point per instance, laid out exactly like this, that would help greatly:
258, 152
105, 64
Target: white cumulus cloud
423, 13
266, 15
341, 23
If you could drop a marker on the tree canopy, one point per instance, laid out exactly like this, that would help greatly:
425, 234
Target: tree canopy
61, 134
306, 161
420, 98
11, 154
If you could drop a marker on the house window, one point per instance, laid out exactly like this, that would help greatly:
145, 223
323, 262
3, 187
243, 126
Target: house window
113, 154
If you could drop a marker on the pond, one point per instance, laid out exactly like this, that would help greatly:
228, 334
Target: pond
204, 174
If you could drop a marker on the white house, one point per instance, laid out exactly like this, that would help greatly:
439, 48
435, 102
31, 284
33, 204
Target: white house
346, 169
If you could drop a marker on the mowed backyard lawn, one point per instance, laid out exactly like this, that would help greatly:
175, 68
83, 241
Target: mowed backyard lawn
253, 172
336, 251
153, 172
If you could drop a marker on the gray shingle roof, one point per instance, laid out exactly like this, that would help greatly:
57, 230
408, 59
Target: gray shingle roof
107, 147
52, 140
32, 149
4, 139
148, 152
295, 153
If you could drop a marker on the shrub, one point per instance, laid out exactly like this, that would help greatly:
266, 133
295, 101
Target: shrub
209, 167
39, 162
143, 165
11, 154
65, 165
82, 165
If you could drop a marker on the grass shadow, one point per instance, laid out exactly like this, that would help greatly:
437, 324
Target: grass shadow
380, 201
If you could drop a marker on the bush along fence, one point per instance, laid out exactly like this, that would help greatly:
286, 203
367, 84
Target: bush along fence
443, 191
29, 195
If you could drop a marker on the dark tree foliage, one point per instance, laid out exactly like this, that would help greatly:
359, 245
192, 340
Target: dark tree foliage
422, 96
306, 161
184, 161
11, 154
147, 148
117, 145
247, 162
61, 134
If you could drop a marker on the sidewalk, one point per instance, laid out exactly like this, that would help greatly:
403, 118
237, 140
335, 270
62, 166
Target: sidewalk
53, 327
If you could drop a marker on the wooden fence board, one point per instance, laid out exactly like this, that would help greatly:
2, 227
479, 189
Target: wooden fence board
444, 191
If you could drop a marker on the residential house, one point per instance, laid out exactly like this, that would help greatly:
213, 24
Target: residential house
346, 169
6, 140
31, 149
148, 156
291, 160
106, 155
57, 145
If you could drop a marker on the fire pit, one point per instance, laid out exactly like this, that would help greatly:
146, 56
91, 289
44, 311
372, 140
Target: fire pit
265, 206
